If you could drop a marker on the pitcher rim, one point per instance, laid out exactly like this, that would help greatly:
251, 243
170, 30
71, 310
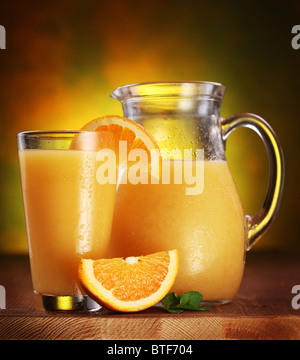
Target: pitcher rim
176, 88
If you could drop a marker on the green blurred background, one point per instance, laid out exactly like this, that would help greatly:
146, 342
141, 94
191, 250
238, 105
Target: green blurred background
64, 58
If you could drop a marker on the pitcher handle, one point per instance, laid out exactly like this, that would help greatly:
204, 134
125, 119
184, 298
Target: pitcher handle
259, 223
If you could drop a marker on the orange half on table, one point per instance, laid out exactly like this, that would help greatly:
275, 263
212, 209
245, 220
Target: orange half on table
130, 284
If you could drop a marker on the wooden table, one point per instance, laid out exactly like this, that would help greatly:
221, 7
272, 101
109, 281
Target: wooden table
261, 310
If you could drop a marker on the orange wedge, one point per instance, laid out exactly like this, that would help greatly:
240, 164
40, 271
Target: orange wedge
136, 136
131, 284
112, 132
93, 141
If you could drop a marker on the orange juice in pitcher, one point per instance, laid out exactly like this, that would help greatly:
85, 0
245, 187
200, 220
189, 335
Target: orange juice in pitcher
209, 228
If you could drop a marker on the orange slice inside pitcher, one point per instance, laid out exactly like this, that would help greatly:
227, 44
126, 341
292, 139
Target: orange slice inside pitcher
131, 284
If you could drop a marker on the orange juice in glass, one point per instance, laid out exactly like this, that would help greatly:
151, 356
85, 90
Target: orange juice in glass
68, 213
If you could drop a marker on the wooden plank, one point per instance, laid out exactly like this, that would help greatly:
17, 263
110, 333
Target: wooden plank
262, 310
196, 327
149, 328
262, 328
16, 327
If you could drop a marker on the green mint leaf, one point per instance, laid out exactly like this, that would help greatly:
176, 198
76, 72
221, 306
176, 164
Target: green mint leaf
203, 308
170, 301
191, 300
175, 310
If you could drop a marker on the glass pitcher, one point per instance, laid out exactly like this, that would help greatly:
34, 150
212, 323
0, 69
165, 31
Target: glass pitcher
210, 230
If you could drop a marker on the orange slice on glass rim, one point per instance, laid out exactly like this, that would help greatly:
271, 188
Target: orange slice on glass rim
130, 284
136, 136
121, 135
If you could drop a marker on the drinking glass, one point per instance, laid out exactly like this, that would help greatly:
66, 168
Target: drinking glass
68, 212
